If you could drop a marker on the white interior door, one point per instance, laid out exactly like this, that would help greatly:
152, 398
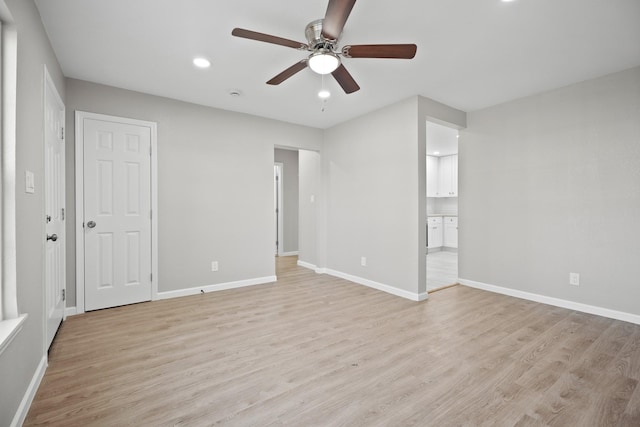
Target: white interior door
54, 174
117, 213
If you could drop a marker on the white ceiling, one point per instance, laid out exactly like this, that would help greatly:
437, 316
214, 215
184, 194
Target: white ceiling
471, 53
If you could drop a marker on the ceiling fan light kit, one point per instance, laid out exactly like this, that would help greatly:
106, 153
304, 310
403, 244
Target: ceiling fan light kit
323, 61
322, 36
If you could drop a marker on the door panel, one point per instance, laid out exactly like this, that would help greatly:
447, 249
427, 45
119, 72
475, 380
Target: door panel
54, 168
117, 198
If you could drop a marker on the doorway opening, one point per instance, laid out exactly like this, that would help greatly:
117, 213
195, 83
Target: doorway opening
442, 206
286, 186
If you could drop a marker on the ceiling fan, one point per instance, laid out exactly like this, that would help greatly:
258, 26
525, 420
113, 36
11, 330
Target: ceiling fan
322, 37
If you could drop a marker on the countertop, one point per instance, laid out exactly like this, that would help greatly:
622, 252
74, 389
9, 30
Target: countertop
431, 215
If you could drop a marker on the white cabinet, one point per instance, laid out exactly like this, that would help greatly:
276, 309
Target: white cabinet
442, 176
451, 231
432, 176
434, 232
448, 176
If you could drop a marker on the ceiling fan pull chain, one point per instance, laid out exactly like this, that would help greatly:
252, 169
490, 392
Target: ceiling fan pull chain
323, 94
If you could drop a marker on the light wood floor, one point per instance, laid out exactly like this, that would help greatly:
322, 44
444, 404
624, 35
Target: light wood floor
442, 269
317, 350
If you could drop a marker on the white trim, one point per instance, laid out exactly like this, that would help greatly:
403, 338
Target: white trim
9, 329
79, 166
292, 253
8, 90
27, 399
307, 265
571, 305
379, 286
279, 167
217, 287
70, 311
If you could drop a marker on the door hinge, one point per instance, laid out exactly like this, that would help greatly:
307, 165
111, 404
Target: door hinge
151, 277
150, 214
149, 150
64, 295
62, 133
63, 214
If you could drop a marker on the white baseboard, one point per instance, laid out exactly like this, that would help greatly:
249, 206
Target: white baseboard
379, 286
70, 311
292, 253
366, 282
571, 305
307, 265
216, 287
27, 399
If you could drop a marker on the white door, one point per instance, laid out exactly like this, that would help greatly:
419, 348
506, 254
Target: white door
54, 168
117, 213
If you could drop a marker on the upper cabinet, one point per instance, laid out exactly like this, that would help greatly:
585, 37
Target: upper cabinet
448, 174
442, 176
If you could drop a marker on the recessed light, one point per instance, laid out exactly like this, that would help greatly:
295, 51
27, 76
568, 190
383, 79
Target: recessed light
235, 93
324, 94
201, 63
436, 153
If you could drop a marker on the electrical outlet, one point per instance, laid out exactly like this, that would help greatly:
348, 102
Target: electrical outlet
574, 279
363, 261
214, 265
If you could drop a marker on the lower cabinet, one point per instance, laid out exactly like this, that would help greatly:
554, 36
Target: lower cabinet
434, 232
451, 231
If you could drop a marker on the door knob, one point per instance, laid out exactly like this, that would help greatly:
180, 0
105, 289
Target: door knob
91, 224
52, 237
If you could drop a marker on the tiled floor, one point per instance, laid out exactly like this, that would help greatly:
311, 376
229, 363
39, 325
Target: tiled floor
442, 269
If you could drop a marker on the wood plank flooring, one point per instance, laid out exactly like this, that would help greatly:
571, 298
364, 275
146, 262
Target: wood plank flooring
314, 350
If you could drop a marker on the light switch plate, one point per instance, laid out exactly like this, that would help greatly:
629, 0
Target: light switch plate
29, 182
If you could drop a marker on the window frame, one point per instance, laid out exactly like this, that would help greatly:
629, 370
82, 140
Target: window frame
11, 321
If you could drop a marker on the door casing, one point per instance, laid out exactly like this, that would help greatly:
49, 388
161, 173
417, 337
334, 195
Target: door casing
278, 172
79, 168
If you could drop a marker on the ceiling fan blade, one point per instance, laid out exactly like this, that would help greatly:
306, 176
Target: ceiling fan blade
337, 13
345, 80
267, 38
398, 51
295, 68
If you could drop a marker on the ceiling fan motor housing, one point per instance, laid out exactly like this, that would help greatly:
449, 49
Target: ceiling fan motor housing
316, 40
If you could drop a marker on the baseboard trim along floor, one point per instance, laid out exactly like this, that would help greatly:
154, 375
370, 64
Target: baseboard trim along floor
27, 399
217, 287
366, 282
557, 302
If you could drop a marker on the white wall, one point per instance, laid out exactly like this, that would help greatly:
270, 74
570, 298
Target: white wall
374, 179
289, 160
310, 204
550, 184
19, 362
215, 184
